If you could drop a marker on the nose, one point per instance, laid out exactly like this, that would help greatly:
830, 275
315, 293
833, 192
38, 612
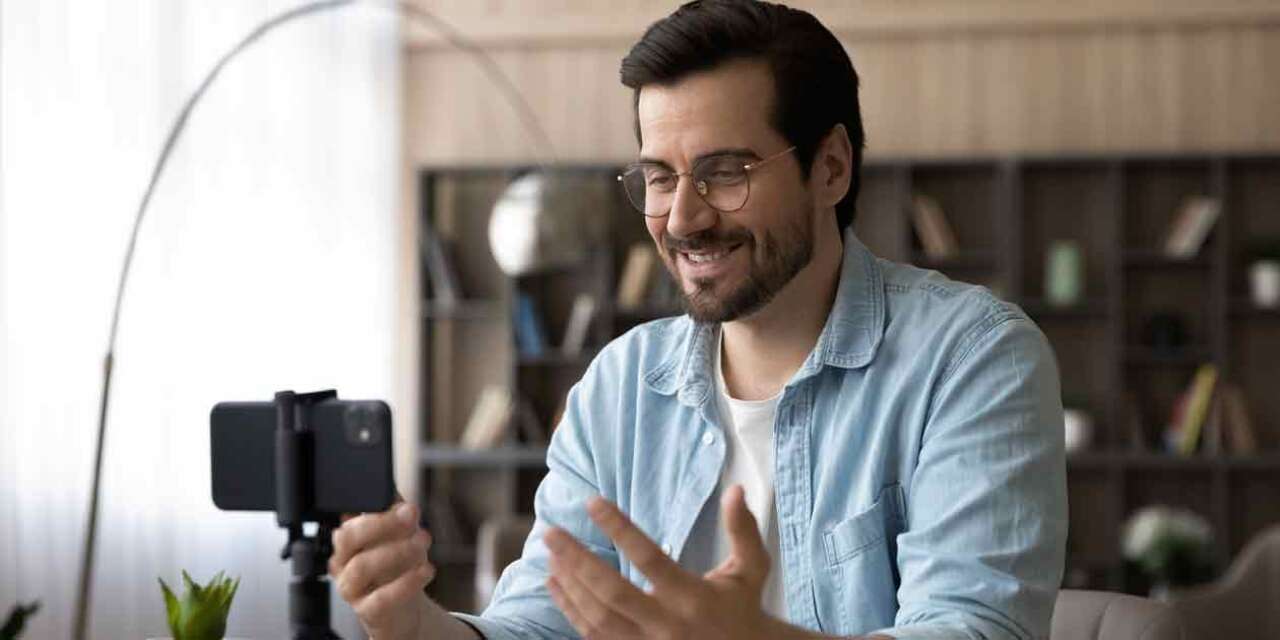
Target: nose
689, 212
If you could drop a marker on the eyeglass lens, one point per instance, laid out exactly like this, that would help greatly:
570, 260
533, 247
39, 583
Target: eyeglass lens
721, 181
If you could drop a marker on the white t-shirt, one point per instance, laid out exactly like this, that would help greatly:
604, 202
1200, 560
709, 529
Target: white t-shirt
748, 432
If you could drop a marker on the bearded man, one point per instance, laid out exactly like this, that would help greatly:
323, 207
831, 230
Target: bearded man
825, 444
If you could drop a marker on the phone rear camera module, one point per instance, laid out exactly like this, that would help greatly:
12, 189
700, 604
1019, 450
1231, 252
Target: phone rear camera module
362, 426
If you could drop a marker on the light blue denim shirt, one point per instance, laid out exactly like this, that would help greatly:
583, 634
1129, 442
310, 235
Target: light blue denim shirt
919, 475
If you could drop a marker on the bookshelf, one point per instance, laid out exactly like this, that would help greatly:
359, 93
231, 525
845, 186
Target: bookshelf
1005, 213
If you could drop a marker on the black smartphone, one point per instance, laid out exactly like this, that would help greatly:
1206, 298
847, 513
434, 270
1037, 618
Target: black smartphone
352, 440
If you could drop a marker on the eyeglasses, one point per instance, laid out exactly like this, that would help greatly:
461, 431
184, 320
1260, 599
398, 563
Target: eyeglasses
722, 181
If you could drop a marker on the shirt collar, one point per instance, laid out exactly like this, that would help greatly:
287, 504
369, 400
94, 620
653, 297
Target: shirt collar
854, 330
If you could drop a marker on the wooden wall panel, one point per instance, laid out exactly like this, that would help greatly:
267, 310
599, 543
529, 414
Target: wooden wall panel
1182, 88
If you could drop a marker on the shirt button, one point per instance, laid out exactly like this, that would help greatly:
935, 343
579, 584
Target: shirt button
708, 438
666, 548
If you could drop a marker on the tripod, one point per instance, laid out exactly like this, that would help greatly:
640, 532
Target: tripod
295, 461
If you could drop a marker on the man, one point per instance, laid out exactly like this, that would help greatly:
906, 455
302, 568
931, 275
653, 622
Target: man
827, 443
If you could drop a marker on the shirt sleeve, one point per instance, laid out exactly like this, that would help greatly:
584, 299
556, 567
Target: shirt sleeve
522, 606
982, 556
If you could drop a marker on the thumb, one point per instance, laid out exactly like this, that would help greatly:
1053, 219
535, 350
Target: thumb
746, 549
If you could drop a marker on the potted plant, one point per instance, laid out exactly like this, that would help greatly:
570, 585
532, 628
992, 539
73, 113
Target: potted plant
201, 613
17, 619
1264, 274
1173, 547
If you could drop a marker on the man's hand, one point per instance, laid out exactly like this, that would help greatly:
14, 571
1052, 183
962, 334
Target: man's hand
724, 603
380, 566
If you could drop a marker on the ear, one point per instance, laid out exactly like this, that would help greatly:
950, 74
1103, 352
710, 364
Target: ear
832, 171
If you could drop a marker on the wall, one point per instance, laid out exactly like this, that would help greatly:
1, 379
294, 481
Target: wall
939, 78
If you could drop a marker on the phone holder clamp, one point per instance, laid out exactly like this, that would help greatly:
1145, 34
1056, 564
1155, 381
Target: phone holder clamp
295, 463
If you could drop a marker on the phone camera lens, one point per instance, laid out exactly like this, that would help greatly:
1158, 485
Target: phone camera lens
361, 424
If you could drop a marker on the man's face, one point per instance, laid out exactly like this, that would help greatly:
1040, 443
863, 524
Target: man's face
728, 265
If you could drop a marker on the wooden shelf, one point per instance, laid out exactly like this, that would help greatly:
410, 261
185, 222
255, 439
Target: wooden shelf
452, 554
1156, 259
1039, 308
554, 358
645, 314
503, 457
1006, 213
963, 261
1152, 460
1245, 307
466, 310
1150, 357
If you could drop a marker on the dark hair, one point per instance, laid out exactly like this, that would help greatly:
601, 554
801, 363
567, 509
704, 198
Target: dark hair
815, 85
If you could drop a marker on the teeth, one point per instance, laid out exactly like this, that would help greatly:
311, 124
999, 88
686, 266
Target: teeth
697, 258
705, 257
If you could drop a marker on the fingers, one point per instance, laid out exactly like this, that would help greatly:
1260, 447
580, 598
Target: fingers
665, 574
606, 600
747, 550
375, 567
394, 598
567, 607
371, 529
587, 613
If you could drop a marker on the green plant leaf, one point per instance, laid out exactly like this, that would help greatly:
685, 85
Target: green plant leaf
201, 612
173, 610
17, 619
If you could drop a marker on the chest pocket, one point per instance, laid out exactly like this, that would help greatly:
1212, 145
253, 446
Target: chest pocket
861, 553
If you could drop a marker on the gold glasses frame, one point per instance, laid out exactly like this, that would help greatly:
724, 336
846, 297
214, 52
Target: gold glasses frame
702, 187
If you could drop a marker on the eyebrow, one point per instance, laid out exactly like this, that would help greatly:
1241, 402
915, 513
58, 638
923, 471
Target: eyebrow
729, 151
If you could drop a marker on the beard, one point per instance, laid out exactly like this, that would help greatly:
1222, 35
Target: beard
774, 260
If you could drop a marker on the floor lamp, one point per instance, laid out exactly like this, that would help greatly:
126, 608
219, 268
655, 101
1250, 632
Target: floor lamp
416, 14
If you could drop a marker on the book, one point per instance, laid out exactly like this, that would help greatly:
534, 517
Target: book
637, 273
446, 289
1238, 432
1195, 219
1212, 441
1198, 400
487, 426
579, 325
936, 236
531, 335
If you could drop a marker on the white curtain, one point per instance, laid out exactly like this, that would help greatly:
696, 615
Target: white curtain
267, 262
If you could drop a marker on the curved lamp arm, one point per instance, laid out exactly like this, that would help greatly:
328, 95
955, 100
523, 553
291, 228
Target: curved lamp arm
530, 121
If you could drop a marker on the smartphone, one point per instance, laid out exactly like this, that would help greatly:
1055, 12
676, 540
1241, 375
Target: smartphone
352, 440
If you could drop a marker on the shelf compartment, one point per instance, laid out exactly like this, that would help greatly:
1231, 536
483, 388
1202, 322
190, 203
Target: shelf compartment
1069, 201
1155, 190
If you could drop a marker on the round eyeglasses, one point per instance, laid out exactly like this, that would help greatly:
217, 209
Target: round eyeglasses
722, 181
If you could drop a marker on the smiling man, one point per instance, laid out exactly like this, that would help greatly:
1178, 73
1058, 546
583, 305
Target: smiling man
826, 444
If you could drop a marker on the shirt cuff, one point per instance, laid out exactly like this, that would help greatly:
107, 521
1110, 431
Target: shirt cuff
924, 632
488, 629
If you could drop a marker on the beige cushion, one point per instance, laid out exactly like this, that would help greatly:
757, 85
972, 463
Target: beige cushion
1245, 603
1098, 615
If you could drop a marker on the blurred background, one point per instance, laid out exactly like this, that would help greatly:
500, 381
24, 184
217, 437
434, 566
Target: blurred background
1111, 167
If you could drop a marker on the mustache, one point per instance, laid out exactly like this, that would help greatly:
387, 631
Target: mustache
704, 242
